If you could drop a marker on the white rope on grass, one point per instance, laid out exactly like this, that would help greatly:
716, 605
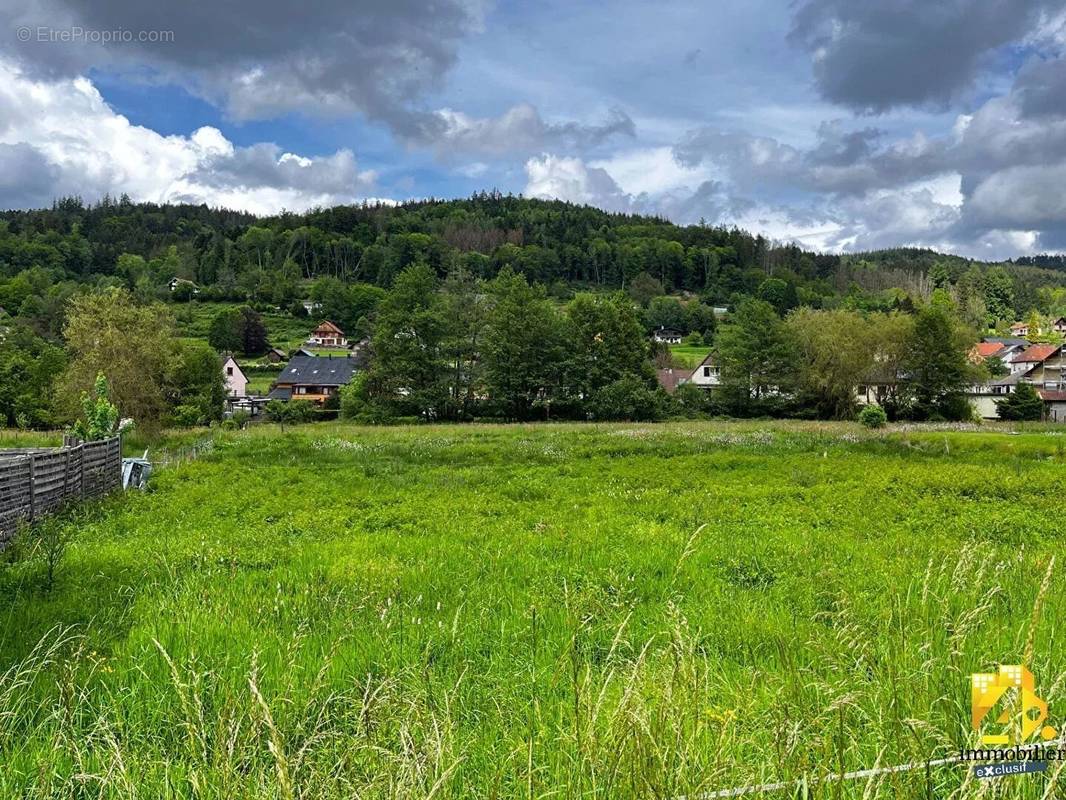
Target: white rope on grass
760, 788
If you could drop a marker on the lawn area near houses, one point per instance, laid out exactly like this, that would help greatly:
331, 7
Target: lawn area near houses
536, 611
688, 355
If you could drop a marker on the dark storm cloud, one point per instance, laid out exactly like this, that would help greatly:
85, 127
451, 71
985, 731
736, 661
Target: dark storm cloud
873, 56
841, 161
27, 179
1041, 88
261, 58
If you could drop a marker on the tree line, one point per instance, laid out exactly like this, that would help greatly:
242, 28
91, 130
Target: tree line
466, 348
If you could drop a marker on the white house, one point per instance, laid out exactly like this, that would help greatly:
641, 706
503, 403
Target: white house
234, 377
667, 336
328, 335
708, 375
310, 306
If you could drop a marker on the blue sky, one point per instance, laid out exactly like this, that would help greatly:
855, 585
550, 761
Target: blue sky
839, 125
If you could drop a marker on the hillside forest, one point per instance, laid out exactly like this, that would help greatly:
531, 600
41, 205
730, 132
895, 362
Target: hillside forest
495, 306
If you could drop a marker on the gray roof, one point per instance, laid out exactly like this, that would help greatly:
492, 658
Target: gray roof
1010, 380
318, 371
280, 394
1007, 340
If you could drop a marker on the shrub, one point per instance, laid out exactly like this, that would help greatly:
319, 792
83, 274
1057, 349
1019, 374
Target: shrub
187, 416
291, 412
873, 417
629, 399
690, 401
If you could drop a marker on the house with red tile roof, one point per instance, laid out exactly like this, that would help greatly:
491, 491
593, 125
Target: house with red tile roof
983, 350
1042, 366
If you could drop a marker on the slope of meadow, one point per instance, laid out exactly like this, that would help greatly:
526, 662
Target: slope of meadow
510, 611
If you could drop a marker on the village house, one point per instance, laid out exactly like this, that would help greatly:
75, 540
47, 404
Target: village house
1059, 326
1020, 328
234, 377
1003, 350
315, 378
327, 335
669, 378
275, 355
708, 374
310, 306
1040, 365
667, 336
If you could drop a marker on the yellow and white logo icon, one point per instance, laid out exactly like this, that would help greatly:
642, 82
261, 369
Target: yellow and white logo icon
988, 689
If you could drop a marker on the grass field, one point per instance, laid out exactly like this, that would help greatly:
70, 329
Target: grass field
283, 330
538, 611
688, 356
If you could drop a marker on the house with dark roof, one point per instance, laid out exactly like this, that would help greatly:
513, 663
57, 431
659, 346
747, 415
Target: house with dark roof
667, 336
316, 378
1059, 326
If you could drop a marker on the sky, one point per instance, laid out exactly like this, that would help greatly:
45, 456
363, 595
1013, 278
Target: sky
841, 125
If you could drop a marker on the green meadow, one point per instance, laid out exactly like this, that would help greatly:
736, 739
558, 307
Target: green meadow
688, 355
540, 611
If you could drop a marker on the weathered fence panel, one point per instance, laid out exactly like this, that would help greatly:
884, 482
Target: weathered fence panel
35, 482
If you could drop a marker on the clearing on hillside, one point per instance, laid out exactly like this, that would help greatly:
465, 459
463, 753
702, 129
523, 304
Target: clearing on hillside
535, 611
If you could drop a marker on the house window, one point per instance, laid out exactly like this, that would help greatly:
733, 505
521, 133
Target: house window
229, 370
706, 372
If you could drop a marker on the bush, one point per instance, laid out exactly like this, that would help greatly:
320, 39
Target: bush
628, 399
291, 412
691, 401
873, 417
694, 339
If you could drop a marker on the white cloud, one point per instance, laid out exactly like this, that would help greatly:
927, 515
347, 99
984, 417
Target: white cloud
652, 171
553, 177
79, 145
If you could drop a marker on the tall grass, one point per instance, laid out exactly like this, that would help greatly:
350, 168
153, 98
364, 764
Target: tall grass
518, 611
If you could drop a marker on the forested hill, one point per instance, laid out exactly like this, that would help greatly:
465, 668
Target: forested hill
229, 255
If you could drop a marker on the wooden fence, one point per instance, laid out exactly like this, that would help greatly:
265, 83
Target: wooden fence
37, 481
